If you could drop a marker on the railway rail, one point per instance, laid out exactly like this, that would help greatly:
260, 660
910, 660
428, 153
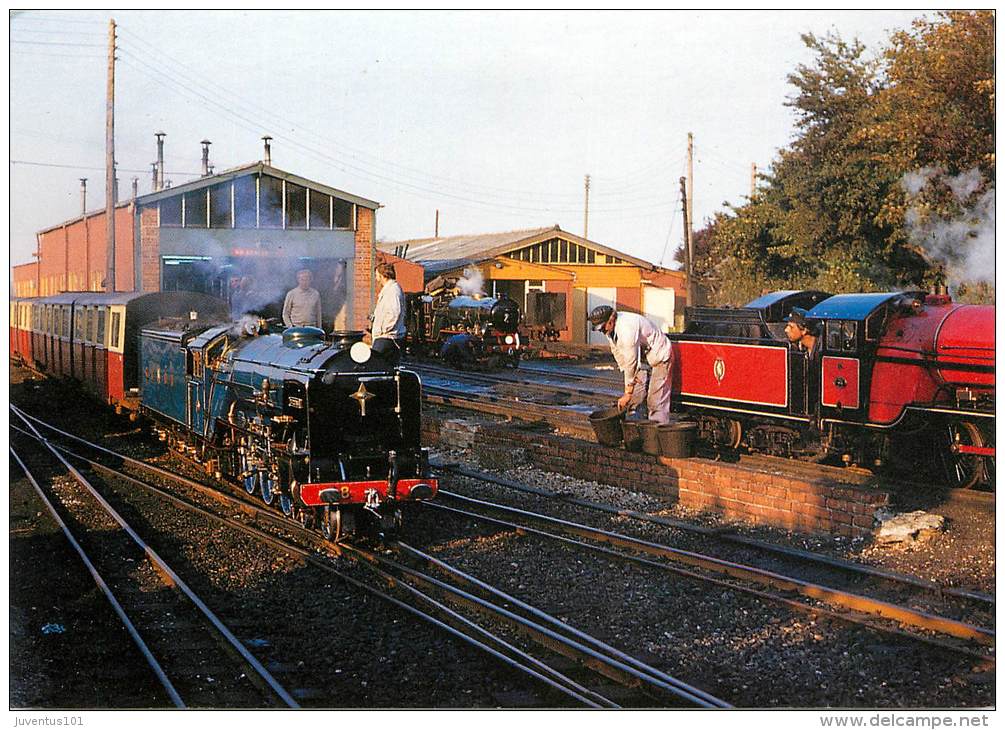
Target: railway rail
598, 663
954, 635
728, 535
173, 628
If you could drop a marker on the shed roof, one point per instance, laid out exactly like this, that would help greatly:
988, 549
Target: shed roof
451, 252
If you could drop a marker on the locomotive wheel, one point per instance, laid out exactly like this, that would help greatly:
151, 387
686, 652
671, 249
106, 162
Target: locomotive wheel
962, 471
337, 524
251, 483
269, 488
286, 503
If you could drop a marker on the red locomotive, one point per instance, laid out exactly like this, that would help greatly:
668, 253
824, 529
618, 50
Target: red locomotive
889, 372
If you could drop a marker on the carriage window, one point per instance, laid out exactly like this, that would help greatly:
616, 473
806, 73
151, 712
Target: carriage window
101, 327
92, 325
116, 318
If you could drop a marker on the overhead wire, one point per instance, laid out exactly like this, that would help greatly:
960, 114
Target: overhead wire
423, 178
345, 166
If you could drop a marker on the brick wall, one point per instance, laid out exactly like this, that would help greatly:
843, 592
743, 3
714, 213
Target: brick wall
363, 271
735, 491
150, 250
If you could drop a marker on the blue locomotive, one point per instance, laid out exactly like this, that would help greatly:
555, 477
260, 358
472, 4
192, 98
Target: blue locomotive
324, 429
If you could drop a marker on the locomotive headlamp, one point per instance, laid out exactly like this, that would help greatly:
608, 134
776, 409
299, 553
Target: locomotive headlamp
509, 339
360, 352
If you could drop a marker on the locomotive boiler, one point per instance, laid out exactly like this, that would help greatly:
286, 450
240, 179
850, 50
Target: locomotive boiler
328, 431
892, 376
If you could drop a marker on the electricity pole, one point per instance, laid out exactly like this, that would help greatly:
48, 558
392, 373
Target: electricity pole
753, 179
586, 209
684, 195
110, 164
688, 229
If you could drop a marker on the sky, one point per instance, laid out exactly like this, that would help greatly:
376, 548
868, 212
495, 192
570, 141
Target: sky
492, 118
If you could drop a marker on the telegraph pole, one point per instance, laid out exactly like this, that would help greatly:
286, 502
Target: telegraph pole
436, 226
684, 195
753, 179
689, 223
110, 164
586, 209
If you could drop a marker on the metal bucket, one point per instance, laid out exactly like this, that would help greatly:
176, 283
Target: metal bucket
607, 426
633, 434
650, 440
676, 440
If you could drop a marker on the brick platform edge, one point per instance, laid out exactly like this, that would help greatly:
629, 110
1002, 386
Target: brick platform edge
734, 491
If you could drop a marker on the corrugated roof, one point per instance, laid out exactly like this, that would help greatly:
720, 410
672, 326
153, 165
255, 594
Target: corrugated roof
451, 252
467, 248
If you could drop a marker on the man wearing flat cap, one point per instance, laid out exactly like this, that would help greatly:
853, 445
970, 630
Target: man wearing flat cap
640, 349
800, 330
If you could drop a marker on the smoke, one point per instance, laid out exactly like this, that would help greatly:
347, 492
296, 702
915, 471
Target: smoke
965, 244
472, 282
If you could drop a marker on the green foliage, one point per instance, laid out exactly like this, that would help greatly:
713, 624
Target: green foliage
833, 213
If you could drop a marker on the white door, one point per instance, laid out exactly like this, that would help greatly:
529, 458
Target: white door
657, 306
595, 296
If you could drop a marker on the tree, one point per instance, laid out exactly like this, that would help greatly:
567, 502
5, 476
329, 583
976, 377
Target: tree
841, 208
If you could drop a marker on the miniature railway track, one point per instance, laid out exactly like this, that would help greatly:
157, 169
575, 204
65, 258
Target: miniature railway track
876, 614
171, 625
597, 664
980, 599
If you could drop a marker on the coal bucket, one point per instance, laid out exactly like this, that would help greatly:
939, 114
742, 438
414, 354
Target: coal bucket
649, 430
676, 440
633, 434
607, 425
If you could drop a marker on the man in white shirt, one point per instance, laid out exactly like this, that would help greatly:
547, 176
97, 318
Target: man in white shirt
636, 343
388, 330
302, 307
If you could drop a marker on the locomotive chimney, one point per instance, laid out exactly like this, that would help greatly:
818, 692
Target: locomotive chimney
205, 157
160, 159
83, 196
268, 150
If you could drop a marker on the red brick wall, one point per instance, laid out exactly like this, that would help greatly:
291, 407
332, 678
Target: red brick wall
150, 250
734, 491
361, 302
25, 277
73, 256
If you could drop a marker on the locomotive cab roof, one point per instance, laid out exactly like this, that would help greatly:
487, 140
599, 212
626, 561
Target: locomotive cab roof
858, 307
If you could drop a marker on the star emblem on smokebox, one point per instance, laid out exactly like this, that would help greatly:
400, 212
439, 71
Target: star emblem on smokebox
361, 396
